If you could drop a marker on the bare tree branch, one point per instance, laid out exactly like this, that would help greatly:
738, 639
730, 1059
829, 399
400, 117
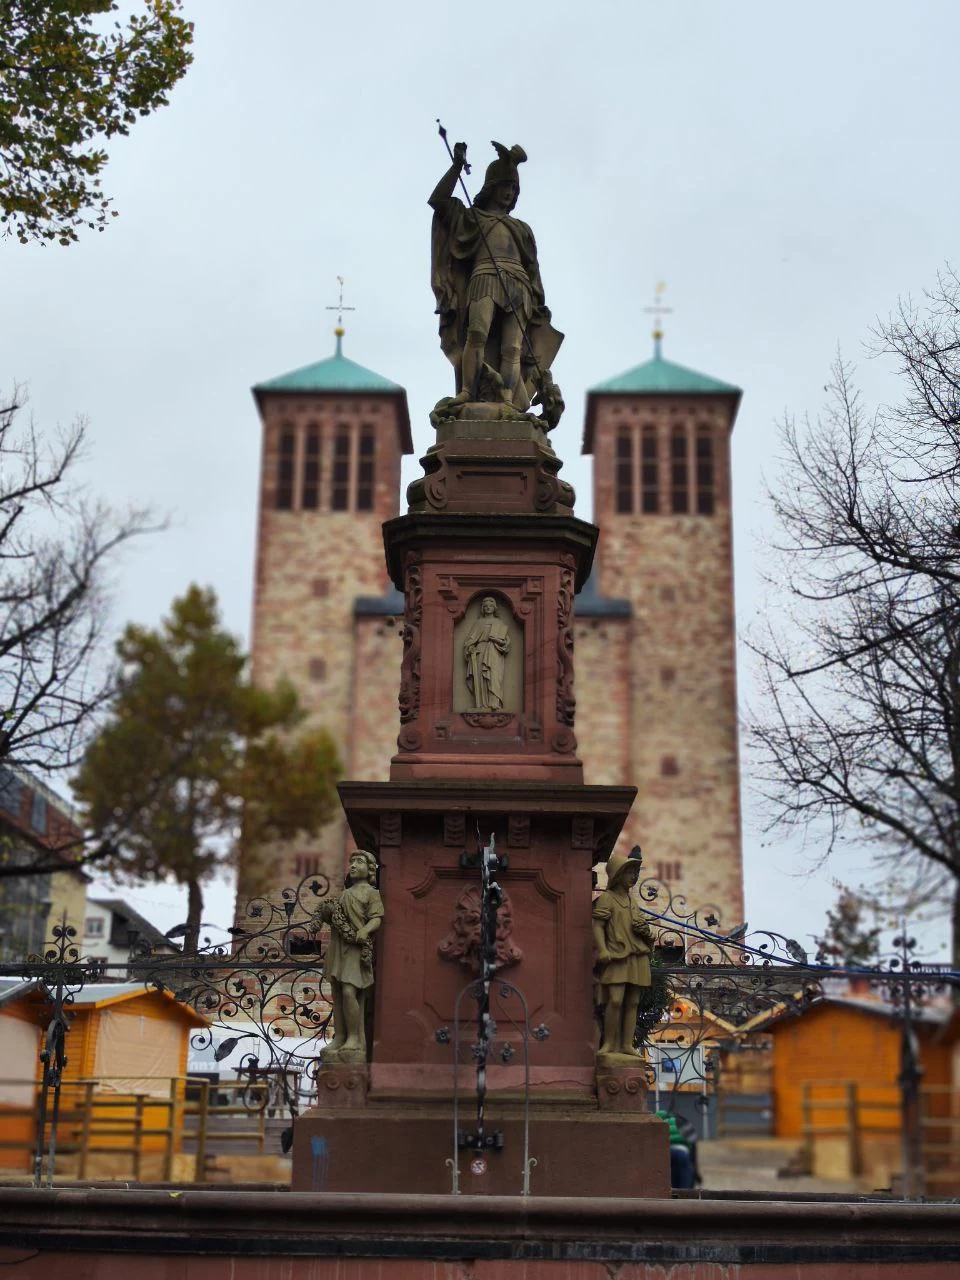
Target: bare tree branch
55, 548
861, 674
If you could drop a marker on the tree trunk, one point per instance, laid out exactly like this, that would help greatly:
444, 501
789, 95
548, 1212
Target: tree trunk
191, 939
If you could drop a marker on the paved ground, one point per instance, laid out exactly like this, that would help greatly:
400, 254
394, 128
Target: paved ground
752, 1165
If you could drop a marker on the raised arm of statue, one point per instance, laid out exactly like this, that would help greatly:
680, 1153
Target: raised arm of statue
445, 188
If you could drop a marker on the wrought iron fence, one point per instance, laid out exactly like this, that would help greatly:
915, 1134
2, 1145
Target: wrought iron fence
270, 1013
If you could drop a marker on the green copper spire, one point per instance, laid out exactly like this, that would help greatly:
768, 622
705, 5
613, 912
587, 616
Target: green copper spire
336, 373
657, 377
662, 377
340, 376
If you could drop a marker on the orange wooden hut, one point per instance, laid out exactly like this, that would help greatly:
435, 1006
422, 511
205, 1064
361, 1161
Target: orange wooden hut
835, 1069
124, 1080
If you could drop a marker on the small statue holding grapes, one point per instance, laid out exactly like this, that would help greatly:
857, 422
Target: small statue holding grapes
354, 917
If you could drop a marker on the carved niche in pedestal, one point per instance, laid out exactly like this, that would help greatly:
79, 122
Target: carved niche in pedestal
488, 660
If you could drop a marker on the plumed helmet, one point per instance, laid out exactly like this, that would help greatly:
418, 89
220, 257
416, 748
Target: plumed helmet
618, 861
503, 169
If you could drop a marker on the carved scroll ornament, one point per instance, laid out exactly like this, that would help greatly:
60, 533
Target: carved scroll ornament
409, 699
566, 701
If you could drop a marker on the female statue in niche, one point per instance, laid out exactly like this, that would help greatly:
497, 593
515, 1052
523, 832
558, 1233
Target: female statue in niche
484, 652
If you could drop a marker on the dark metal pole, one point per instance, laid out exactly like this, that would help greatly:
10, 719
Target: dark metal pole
491, 897
909, 1079
443, 134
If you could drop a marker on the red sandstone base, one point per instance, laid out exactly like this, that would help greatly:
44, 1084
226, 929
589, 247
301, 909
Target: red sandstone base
93, 1233
585, 1153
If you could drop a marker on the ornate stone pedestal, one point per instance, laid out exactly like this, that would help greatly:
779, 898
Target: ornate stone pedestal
489, 561
552, 834
483, 466
530, 568
405, 1147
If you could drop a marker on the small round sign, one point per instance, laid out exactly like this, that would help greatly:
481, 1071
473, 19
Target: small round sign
478, 1166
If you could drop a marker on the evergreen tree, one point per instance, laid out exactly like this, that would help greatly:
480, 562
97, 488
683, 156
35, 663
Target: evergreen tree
194, 757
847, 940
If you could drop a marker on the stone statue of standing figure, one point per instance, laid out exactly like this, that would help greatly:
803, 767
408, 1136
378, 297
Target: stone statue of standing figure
624, 942
484, 652
494, 322
354, 917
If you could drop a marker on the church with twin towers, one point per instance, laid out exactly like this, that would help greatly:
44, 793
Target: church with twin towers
656, 703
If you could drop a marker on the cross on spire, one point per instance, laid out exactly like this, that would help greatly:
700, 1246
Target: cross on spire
340, 308
658, 310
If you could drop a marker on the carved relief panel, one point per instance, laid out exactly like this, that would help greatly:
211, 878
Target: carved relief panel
462, 943
488, 659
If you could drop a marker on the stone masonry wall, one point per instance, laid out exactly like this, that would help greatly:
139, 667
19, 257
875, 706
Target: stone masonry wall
376, 718
310, 567
683, 753
602, 688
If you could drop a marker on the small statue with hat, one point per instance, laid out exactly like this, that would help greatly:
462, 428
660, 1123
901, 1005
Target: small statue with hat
494, 322
624, 942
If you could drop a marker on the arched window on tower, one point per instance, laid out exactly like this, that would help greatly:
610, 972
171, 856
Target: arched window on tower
310, 500
286, 461
365, 469
706, 476
649, 472
623, 477
340, 489
679, 472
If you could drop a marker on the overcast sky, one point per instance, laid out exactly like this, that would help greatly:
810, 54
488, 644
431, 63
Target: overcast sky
789, 171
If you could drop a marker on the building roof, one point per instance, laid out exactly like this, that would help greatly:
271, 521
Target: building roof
339, 375
336, 373
389, 605
48, 821
12, 989
663, 377
99, 995
147, 931
591, 604
657, 377
931, 1015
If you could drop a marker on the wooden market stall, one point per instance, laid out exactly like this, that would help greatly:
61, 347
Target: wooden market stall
835, 1070
124, 1081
